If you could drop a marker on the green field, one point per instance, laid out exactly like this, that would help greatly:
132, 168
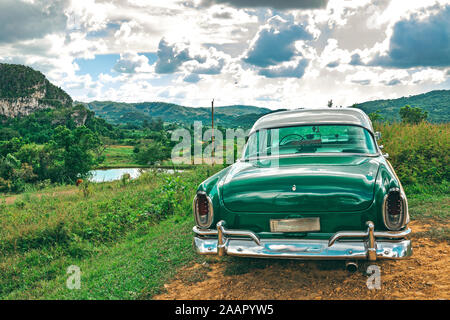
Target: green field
119, 157
43, 234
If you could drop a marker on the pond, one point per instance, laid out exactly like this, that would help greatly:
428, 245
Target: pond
105, 175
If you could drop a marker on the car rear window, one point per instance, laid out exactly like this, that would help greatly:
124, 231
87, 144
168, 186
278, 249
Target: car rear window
310, 139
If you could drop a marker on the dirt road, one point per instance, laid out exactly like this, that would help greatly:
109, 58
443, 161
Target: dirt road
424, 276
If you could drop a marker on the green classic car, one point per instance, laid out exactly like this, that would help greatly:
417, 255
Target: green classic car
311, 184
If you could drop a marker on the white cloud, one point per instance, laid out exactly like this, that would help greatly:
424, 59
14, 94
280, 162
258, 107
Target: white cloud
276, 4
428, 75
294, 57
332, 56
132, 62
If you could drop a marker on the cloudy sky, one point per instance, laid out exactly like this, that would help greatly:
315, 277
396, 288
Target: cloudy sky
272, 53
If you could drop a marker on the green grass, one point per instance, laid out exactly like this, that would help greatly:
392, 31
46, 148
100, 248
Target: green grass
111, 233
429, 201
135, 268
119, 157
435, 207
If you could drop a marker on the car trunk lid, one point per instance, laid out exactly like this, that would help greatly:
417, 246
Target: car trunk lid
301, 184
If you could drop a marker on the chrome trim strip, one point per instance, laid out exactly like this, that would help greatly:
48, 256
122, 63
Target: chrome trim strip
371, 244
312, 123
204, 232
369, 248
226, 232
376, 234
304, 249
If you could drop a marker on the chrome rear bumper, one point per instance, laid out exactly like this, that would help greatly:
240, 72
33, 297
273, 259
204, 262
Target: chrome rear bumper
347, 245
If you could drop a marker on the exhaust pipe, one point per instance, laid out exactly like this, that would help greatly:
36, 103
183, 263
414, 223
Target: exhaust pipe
351, 266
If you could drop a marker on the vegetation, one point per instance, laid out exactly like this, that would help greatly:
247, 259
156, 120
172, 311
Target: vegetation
376, 116
44, 234
137, 113
419, 153
18, 81
413, 115
39, 126
152, 153
68, 156
118, 156
118, 232
58, 145
61, 145
66, 152
132, 236
436, 103
61, 142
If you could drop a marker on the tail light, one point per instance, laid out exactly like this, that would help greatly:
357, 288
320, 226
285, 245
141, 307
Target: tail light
395, 210
203, 210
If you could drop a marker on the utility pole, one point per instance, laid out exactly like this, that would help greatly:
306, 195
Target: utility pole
212, 125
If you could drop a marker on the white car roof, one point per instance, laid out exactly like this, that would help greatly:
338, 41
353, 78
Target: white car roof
349, 116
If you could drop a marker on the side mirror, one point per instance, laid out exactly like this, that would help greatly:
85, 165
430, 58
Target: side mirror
377, 135
386, 155
381, 146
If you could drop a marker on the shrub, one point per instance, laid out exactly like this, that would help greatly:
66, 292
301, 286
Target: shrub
419, 153
86, 188
152, 153
125, 178
413, 115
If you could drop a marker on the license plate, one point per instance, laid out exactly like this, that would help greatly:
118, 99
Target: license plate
295, 225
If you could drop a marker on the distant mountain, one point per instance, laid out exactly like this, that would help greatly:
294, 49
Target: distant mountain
24, 90
228, 116
32, 107
437, 103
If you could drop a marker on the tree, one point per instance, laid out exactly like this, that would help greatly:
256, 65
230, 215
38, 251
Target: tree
157, 125
14, 174
152, 153
72, 152
11, 146
376, 116
330, 103
412, 115
8, 134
